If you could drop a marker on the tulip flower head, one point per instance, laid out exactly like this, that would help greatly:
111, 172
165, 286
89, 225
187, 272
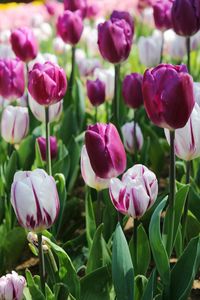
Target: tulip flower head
135, 193
47, 83
34, 198
162, 14
12, 286
149, 50
96, 91
76, 5
105, 150
14, 124
128, 137
168, 95
24, 44
53, 147
132, 90
108, 77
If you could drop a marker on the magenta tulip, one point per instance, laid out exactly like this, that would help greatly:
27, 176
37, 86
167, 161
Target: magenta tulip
53, 147
132, 90
162, 14
96, 91
74, 5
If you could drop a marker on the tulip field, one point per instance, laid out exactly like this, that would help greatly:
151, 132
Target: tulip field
100, 150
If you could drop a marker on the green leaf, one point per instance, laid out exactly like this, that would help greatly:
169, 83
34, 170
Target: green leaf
185, 270
99, 255
38, 158
26, 153
68, 125
11, 168
193, 226
80, 103
122, 267
140, 284
33, 288
179, 242
74, 156
90, 218
150, 287
61, 291
157, 246
62, 163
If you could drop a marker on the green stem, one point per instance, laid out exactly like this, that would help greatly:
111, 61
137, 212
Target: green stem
184, 220
107, 112
116, 96
99, 212
96, 114
72, 75
48, 148
135, 227
188, 46
172, 178
41, 263
162, 48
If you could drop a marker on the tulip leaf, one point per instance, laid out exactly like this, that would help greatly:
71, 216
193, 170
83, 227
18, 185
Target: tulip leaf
150, 287
184, 271
62, 163
99, 255
140, 284
68, 125
90, 218
96, 285
11, 168
193, 226
26, 152
179, 242
33, 287
61, 291
38, 157
157, 246
74, 156
122, 267
80, 104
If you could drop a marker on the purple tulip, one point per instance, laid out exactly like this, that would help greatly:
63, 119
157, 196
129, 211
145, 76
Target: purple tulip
47, 83
136, 192
132, 90
115, 37
24, 44
74, 5
92, 11
70, 27
162, 14
186, 17
122, 15
168, 95
96, 91
34, 198
12, 78
53, 147
12, 286
105, 150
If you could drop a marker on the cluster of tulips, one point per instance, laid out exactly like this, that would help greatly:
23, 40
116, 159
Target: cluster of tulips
171, 101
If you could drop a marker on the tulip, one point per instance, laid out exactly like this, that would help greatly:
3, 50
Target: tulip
70, 27
105, 150
12, 80
187, 139
115, 38
168, 95
42, 58
14, 124
92, 11
135, 193
96, 92
34, 198
108, 77
123, 15
162, 14
12, 286
128, 137
53, 147
73, 5
186, 17
59, 46
47, 83
132, 90
149, 50
88, 66
38, 110
89, 176
24, 44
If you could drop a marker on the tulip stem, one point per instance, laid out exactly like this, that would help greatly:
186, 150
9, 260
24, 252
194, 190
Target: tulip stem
135, 227
48, 149
184, 220
188, 45
41, 263
99, 200
72, 75
172, 178
162, 48
116, 96
95, 114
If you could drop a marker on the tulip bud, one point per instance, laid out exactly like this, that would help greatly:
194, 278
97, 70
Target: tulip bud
132, 90
47, 83
38, 110
187, 139
14, 124
12, 286
96, 92
70, 27
24, 44
162, 14
53, 147
149, 50
74, 5
128, 137
115, 38
105, 150
12, 78
186, 17
168, 95
108, 77
136, 192
90, 178
34, 198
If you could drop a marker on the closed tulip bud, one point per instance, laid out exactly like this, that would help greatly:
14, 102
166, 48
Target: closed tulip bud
24, 44
162, 14
149, 50
128, 137
12, 78
187, 139
70, 27
115, 38
89, 176
47, 83
135, 193
74, 5
108, 77
132, 90
34, 198
53, 147
186, 17
105, 150
12, 286
14, 124
168, 95
96, 92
